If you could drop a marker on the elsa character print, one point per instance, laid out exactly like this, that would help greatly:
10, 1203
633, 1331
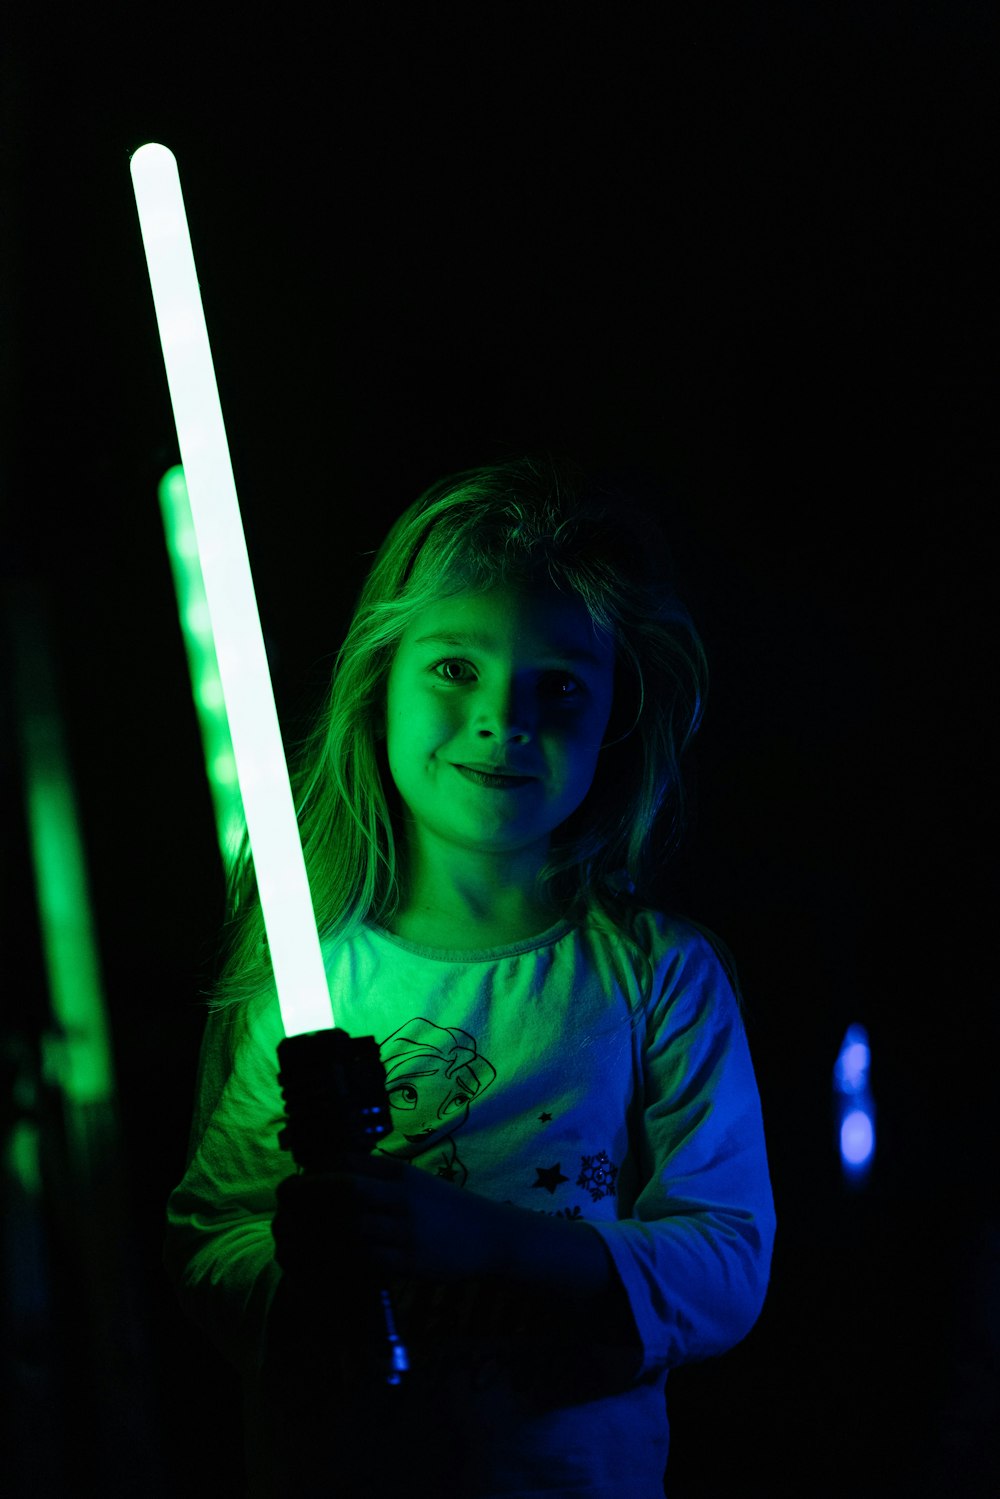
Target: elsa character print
433, 1075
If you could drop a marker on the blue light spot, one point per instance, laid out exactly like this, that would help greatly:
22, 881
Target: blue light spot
857, 1138
851, 1070
854, 1106
854, 1064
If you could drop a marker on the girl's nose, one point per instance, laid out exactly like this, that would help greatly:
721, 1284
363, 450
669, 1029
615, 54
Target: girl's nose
506, 714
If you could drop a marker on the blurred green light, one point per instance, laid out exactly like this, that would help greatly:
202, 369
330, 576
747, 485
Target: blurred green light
23, 1156
79, 1053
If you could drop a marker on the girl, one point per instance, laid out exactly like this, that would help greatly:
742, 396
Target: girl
574, 1198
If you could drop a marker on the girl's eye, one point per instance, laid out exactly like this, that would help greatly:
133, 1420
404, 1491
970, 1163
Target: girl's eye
562, 686
557, 685
450, 674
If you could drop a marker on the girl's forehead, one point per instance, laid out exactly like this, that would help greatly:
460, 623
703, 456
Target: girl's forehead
509, 613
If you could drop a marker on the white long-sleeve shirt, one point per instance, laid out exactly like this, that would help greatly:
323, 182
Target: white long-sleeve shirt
533, 1074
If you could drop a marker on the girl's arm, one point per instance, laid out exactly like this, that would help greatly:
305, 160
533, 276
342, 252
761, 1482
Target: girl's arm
694, 1250
218, 1246
392, 1218
407, 1222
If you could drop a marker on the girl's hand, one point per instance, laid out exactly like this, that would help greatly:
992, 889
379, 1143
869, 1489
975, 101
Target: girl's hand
390, 1216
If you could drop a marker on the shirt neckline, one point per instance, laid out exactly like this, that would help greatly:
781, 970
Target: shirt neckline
475, 955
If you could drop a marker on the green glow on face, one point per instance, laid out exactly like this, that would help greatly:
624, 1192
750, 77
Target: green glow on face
78, 1057
293, 941
206, 684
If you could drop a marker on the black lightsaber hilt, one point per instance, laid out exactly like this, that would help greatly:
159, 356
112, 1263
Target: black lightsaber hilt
334, 1088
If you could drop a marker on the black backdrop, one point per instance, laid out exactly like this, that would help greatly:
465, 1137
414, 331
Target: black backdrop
736, 261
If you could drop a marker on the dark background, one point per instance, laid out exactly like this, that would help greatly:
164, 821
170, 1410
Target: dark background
736, 260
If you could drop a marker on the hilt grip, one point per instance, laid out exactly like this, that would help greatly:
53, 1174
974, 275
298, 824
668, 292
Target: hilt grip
335, 1097
334, 1088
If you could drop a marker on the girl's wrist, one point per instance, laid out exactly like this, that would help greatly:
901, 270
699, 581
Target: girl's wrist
533, 1249
571, 1263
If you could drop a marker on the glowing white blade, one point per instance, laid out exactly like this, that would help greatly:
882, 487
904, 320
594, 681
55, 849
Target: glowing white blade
239, 644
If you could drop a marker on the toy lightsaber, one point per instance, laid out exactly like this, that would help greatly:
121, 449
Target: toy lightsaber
333, 1084
286, 903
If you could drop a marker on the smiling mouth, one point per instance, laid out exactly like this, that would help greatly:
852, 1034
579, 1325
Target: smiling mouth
495, 782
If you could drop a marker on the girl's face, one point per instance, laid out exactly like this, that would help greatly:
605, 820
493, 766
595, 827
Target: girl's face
511, 679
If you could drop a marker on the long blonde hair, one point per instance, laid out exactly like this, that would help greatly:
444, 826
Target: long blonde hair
520, 520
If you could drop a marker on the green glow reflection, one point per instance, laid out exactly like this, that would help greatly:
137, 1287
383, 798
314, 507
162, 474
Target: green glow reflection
206, 684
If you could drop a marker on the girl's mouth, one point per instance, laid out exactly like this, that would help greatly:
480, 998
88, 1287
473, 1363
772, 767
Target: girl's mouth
494, 782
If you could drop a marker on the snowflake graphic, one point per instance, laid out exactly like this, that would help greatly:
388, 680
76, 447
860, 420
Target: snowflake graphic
598, 1175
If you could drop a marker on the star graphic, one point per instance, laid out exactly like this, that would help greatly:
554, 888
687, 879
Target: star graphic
545, 1118
549, 1177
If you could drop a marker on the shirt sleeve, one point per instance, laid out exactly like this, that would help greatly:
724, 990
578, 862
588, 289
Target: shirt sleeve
694, 1254
219, 1250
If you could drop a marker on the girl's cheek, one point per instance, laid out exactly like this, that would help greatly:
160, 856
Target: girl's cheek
445, 713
